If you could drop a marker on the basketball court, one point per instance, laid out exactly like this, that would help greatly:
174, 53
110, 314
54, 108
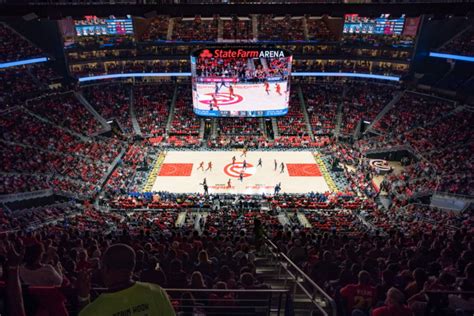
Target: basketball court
179, 172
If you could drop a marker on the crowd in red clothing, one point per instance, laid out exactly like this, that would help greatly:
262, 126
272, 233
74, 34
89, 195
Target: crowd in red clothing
318, 29
462, 44
285, 28
151, 105
112, 102
416, 248
15, 47
321, 104
65, 110
294, 123
185, 122
40, 155
128, 66
204, 29
157, 30
244, 127
237, 28
363, 101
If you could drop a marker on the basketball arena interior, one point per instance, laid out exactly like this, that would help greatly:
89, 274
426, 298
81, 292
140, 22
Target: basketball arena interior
236, 158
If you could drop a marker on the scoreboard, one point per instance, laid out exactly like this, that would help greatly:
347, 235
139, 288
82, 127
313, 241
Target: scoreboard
383, 25
387, 26
94, 26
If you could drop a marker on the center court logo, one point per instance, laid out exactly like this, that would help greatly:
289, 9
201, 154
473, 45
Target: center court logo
222, 99
234, 170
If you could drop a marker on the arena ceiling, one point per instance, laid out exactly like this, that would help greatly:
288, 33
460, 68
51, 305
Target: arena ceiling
410, 9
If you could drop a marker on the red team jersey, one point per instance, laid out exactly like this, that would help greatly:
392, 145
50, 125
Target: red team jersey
358, 296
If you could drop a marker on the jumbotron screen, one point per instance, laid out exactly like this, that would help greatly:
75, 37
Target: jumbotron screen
244, 81
92, 25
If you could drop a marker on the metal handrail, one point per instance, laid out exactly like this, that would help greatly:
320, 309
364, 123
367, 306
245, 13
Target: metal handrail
306, 279
243, 304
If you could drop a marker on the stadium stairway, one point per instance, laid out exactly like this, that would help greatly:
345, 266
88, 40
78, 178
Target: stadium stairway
201, 129
220, 33
214, 129
277, 270
262, 127
91, 109
356, 133
337, 129
172, 107
454, 37
397, 96
254, 26
169, 33
43, 85
305, 113
39, 117
305, 28
276, 133
133, 115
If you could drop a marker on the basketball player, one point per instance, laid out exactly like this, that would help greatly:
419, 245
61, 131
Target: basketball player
267, 87
206, 189
214, 101
277, 189
276, 164
282, 167
241, 177
216, 89
259, 162
229, 184
201, 166
231, 91
209, 166
278, 88
233, 160
244, 152
204, 181
244, 165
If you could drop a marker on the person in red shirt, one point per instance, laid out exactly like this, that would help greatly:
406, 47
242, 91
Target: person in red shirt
359, 297
394, 305
267, 87
278, 89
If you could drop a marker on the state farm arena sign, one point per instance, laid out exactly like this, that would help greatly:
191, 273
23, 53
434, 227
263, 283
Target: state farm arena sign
254, 52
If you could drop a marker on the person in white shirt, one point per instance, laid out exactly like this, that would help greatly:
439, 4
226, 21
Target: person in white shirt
33, 272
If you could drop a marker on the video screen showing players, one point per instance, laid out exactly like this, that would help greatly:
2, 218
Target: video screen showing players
245, 82
94, 26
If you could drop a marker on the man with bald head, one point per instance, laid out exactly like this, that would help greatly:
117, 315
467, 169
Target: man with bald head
124, 296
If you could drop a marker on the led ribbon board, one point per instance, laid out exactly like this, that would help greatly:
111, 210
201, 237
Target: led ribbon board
23, 62
188, 74
450, 56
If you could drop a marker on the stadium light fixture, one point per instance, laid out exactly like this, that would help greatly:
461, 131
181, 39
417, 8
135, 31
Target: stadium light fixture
23, 62
450, 56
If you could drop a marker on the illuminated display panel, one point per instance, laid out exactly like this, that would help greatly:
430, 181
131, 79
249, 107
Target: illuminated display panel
94, 26
247, 81
383, 25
